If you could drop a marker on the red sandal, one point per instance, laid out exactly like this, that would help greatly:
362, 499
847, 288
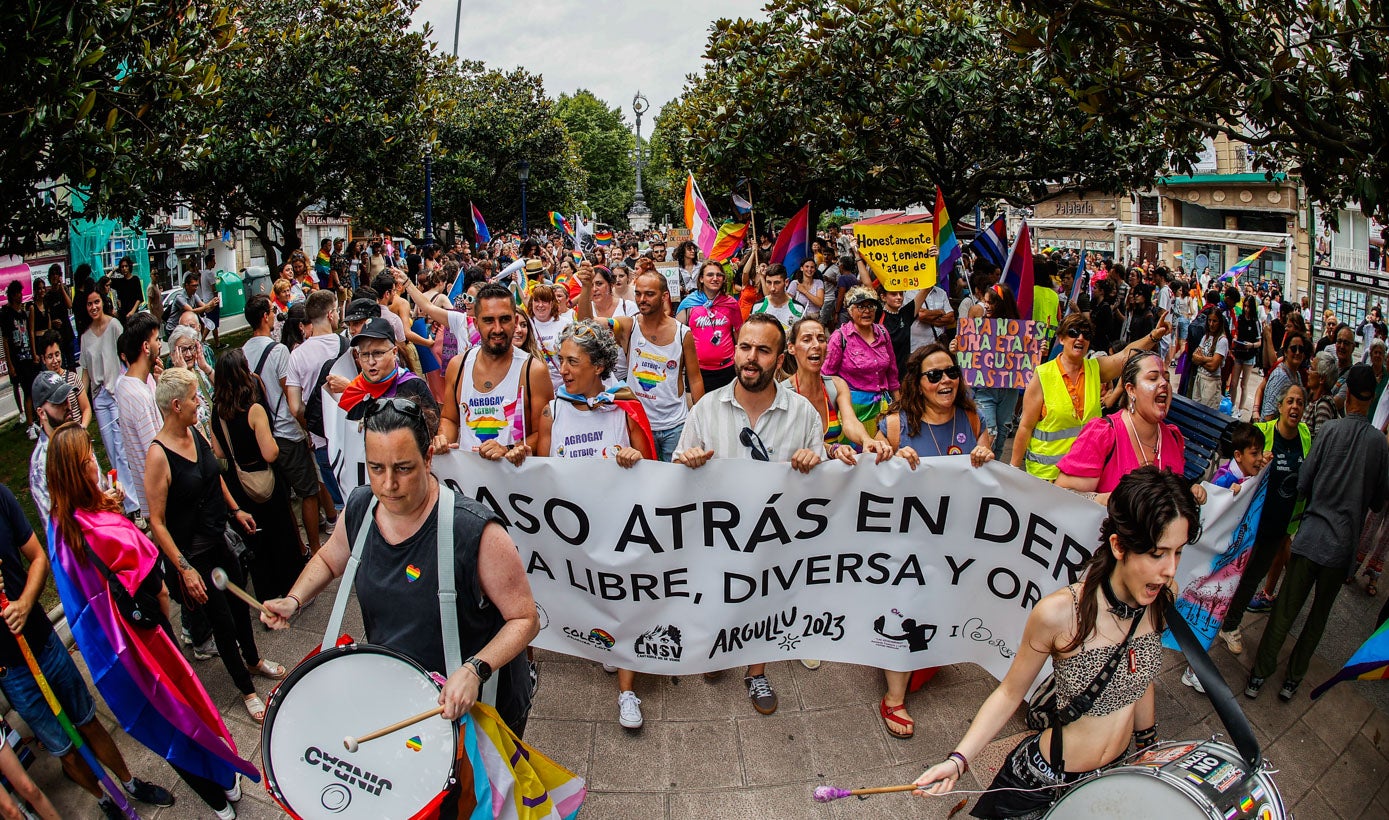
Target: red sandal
890, 716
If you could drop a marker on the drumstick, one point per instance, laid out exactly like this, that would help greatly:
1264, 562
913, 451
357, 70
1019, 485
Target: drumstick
351, 743
220, 580
825, 794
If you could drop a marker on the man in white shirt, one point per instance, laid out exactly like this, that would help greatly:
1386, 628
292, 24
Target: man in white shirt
207, 290
933, 316
778, 303
756, 417
305, 363
139, 414
269, 359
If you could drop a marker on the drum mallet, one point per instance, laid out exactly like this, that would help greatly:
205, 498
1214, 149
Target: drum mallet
220, 580
351, 743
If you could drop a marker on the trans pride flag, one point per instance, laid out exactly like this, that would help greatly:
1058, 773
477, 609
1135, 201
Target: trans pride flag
1370, 662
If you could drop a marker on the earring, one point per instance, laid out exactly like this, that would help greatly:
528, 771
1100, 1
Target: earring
1131, 402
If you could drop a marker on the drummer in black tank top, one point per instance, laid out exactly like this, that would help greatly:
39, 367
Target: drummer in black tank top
496, 611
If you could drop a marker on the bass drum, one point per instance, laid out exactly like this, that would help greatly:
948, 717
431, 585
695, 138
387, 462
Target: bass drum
1190, 780
351, 690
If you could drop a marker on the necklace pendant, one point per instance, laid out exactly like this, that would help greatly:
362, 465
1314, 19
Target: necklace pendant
1133, 662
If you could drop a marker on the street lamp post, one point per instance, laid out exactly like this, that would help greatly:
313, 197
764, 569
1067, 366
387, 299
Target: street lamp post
428, 195
640, 215
523, 173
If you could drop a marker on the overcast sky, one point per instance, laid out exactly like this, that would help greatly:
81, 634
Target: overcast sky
611, 47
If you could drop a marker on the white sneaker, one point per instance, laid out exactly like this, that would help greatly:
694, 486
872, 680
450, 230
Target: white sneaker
234, 793
228, 813
1189, 678
1234, 641
32, 431
609, 668
629, 710
809, 664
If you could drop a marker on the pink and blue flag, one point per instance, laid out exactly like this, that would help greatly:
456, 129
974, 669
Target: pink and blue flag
1017, 273
480, 226
793, 243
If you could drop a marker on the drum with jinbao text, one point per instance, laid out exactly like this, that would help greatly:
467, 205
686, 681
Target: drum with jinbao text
350, 691
1188, 780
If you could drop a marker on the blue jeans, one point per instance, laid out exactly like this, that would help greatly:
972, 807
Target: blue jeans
666, 441
325, 474
23, 693
996, 406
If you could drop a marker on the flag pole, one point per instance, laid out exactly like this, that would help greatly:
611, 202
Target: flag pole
117, 794
752, 226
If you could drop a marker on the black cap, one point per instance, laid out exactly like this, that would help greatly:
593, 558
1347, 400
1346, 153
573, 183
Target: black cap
377, 328
359, 309
1360, 382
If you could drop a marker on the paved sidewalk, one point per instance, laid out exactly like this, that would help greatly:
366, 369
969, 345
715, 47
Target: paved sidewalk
704, 753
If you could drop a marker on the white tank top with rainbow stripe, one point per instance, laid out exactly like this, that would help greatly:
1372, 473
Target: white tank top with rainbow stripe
497, 414
654, 376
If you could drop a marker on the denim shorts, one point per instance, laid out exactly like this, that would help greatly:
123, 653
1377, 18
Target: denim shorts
23, 693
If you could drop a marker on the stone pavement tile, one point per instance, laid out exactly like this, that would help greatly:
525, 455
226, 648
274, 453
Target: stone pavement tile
546, 656
836, 684
989, 760
1316, 807
929, 744
624, 806
691, 697
955, 707
577, 691
1268, 712
567, 742
1354, 777
1376, 728
789, 748
792, 800
1301, 757
1336, 716
665, 756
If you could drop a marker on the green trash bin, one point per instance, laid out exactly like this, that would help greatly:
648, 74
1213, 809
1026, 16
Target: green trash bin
229, 287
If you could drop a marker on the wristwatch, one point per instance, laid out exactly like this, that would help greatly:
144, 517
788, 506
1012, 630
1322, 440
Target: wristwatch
480, 666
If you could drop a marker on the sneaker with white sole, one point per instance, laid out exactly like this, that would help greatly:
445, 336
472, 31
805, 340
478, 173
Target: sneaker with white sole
234, 793
227, 813
206, 651
1189, 678
609, 668
1234, 641
629, 710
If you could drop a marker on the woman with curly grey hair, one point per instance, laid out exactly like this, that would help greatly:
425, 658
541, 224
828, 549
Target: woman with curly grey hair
587, 420
1321, 384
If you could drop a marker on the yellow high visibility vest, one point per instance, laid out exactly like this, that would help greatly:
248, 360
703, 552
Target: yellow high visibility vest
1057, 431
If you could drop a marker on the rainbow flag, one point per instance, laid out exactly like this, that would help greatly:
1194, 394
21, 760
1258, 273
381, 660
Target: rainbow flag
1370, 662
1242, 265
1017, 272
729, 242
947, 246
480, 226
603, 237
557, 219
1176, 254
793, 243
697, 218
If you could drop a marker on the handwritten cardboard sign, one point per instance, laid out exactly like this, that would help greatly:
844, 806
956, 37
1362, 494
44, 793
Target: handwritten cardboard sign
1000, 352
903, 257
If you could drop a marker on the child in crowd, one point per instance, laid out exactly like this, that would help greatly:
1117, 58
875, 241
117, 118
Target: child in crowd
1247, 441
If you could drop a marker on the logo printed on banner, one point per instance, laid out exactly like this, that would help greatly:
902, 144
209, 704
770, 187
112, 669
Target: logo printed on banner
785, 629
594, 637
543, 615
903, 630
661, 643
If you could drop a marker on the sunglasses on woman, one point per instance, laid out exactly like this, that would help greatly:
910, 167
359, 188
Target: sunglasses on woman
935, 374
1080, 333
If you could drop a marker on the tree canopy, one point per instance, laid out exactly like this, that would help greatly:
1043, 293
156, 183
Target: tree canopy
99, 98
1302, 82
497, 120
327, 104
605, 145
873, 103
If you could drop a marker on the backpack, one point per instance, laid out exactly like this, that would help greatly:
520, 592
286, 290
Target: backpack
313, 405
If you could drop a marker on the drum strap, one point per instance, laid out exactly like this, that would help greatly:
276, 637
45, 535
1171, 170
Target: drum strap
349, 574
1231, 716
448, 597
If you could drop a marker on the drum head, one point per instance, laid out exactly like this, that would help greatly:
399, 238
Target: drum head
1116, 793
351, 691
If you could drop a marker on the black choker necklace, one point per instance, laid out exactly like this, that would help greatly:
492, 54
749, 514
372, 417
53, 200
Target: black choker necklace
1121, 610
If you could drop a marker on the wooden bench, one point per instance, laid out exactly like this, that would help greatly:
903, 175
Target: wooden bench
1207, 434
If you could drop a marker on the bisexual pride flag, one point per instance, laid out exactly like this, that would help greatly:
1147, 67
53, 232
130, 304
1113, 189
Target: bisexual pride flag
1370, 662
480, 226
793, 243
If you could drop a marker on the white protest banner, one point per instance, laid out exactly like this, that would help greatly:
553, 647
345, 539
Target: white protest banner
668, 570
